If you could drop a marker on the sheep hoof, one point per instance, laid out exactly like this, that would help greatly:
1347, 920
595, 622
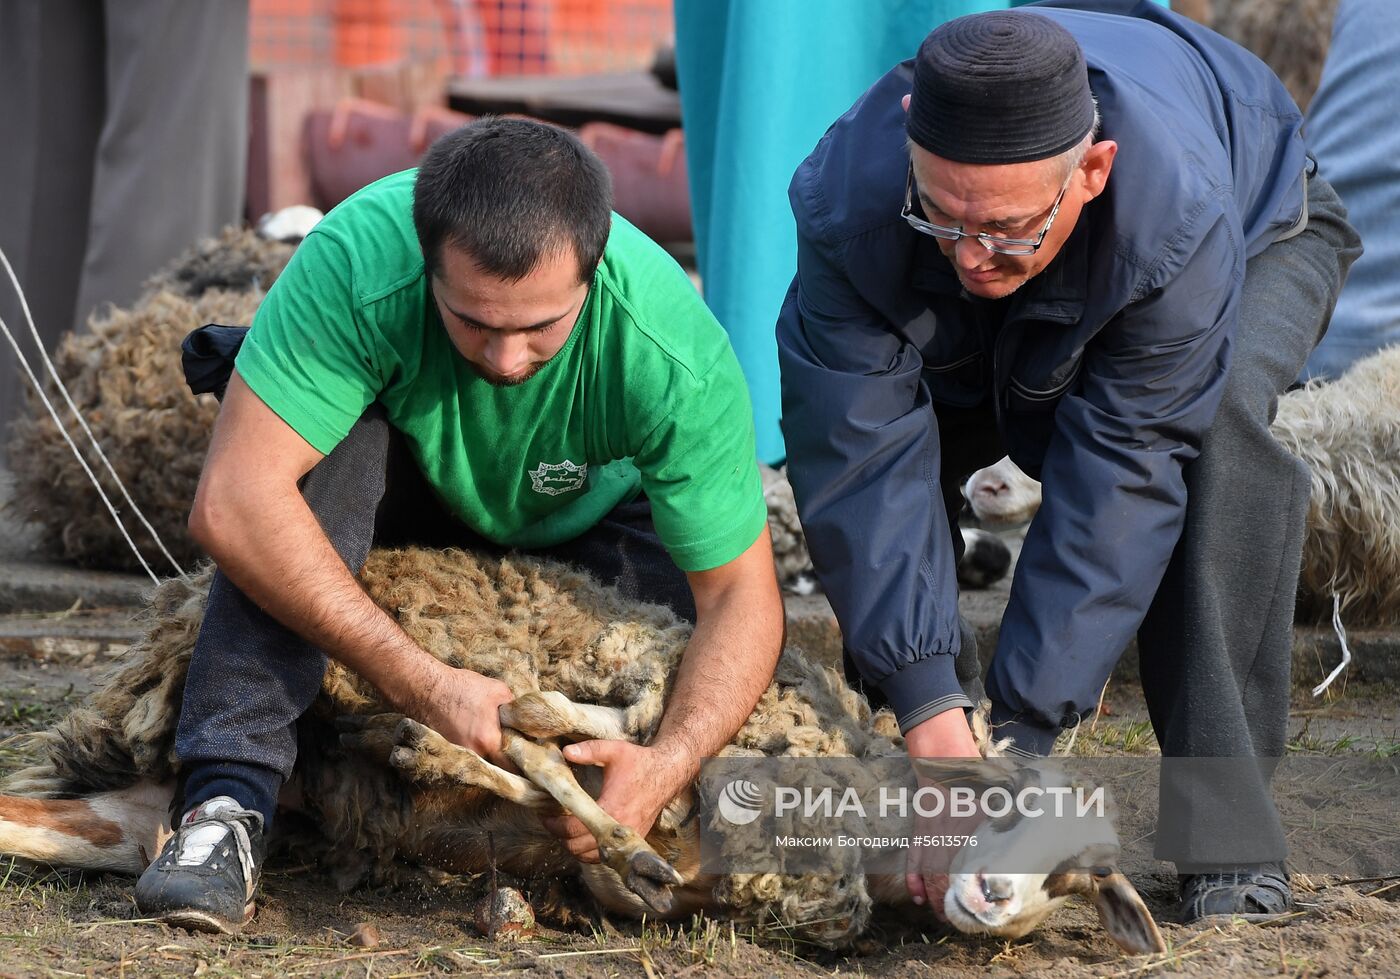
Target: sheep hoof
655, 896
651, 879
372, 735
410, 734
411, 752
417, 753
405, 760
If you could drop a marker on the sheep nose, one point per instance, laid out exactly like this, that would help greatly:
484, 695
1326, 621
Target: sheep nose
995, 889
993, 489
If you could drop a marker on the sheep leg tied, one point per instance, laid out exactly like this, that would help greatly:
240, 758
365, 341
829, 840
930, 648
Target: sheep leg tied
623, 850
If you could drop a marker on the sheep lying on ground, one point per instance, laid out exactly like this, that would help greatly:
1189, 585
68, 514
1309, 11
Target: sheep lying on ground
1348, 433
985, 561
124, 376
790, 557
583, 662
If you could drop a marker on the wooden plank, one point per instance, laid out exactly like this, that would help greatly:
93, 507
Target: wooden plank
634, 99
280, 100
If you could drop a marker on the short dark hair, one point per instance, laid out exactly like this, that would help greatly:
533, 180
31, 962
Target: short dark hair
508, 191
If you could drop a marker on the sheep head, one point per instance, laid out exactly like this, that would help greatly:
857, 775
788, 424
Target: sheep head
1001, 496
1018, 870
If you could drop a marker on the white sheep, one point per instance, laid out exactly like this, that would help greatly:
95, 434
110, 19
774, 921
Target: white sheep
1348, 433
985, 561
1001, 496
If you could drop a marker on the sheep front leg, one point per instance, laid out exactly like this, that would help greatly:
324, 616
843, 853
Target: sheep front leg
426, 758
543, 714
623, 850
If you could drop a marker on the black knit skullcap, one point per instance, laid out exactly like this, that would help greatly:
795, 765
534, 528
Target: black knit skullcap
1000, 87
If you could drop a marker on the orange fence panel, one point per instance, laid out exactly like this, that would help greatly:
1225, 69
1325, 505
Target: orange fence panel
478, 38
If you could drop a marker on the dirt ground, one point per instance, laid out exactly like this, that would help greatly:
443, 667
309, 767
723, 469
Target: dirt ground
75, 925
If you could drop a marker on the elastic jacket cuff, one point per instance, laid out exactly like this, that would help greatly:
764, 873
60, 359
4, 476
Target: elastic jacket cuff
1027, 737
922, 689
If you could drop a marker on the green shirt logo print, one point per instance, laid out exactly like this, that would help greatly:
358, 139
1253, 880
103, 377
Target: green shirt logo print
555, 478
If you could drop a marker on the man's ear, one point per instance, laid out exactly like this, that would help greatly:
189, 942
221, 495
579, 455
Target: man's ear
1098, 161
905, 102
1124, 916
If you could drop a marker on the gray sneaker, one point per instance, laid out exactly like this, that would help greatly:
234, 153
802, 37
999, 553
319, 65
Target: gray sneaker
205, 876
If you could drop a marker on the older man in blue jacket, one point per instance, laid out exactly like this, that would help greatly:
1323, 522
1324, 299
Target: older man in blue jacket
1083, 234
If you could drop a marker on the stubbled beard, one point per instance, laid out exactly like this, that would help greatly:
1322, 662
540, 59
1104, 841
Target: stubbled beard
496, 380
1018, 283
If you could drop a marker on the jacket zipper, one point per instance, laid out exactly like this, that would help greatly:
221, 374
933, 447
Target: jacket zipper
955, 365
997, 386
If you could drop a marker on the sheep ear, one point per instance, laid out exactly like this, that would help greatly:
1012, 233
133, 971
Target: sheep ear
1124, 916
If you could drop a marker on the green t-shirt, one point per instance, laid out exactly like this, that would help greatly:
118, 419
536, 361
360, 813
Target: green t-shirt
646, 393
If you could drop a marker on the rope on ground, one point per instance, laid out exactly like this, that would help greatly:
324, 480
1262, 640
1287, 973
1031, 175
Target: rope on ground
1341, 638
53, 413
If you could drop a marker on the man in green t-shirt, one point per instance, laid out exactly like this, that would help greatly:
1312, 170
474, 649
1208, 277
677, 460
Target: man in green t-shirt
477, 353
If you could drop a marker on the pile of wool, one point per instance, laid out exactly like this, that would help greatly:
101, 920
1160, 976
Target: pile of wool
238, 260
124, 375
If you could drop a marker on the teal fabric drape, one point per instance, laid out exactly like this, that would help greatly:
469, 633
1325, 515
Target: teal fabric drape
760, 81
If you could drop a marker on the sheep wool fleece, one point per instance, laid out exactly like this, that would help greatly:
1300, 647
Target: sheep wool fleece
646, 395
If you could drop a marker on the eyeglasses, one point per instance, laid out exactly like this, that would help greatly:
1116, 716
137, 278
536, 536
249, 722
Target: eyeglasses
995, 243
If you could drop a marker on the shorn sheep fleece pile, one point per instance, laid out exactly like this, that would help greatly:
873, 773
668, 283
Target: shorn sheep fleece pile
124, 376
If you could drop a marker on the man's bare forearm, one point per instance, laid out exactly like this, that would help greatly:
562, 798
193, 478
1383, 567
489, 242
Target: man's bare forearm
270, 545
944, 735
717, 686
726, 667
251, 517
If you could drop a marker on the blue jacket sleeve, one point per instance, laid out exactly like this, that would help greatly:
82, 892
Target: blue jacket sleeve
863, 461
1113, 492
